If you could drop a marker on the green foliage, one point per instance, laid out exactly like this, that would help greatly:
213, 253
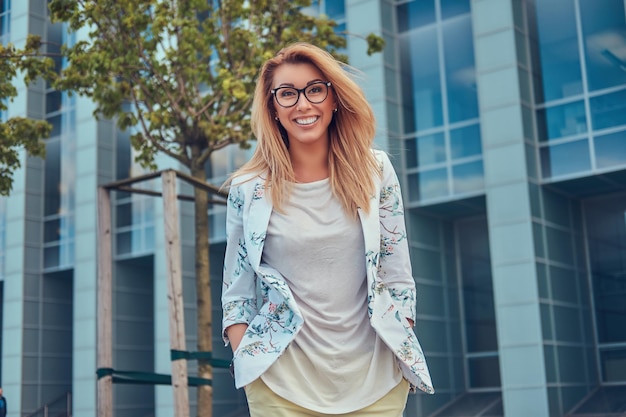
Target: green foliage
375, 44
182, 72
19, 133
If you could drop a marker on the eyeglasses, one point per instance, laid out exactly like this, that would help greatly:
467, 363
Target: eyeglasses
288, 96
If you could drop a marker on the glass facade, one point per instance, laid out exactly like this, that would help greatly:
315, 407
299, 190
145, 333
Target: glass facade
476, 296
579, 71
60, 176
606, 225
134, 213
5, 21
570, 57
439, 100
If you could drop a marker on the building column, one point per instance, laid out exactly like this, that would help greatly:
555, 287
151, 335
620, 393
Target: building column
20, 361
91, 146
508, 178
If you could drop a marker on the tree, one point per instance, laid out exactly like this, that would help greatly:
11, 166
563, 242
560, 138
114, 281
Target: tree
18, 133
188, 70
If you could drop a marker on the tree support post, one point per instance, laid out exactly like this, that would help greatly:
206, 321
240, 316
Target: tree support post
175, 293
105, 296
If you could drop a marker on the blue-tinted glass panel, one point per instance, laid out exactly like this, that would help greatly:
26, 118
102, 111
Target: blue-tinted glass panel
67, 229
608, 110
606, 226
5, 9
561, 121
138, 240
557, 60
138, 210
218, 231
336, 9
478, 302
3, 222
4, 26
421, 92
560, 243
148, 210
605, 401
52, 231
431, 149
66, 253
610, 150
123, 215
415, 14
123, 243
604, 33
51, 257
451, 8
465, 142
484, 372
610, 296
149, 238
564, 159
123, 157
468, 177
52, 178
53, 101
613, 365
427, 185
55, 122
460, 71
410, 153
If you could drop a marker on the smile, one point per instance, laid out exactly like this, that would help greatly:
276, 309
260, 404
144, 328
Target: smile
307, 121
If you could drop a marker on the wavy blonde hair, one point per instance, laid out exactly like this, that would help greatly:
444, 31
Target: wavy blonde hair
352, 164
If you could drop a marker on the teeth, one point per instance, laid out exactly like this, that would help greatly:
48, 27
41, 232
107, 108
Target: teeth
306, 121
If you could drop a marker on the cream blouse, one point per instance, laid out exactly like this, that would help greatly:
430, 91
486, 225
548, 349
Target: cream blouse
336, 363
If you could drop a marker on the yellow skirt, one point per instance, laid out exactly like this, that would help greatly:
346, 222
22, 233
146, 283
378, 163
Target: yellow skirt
263, 402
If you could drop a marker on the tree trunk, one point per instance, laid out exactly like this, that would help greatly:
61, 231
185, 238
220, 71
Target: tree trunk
203, 291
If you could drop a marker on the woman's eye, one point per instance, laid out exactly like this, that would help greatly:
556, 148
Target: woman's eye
287, 93
315, 90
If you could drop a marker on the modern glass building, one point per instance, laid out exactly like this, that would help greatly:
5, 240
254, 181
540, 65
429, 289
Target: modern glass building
506, 120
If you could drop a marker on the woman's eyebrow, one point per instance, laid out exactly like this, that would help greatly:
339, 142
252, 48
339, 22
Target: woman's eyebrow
317, 80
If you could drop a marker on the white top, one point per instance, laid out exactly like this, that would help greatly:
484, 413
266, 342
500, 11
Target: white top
336, 363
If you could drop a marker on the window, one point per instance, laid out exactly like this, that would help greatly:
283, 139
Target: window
604, 40
481, 344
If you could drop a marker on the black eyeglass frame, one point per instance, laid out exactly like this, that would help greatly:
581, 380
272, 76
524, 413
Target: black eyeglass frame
302, 91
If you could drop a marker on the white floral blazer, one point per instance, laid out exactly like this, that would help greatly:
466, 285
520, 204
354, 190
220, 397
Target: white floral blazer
257, 294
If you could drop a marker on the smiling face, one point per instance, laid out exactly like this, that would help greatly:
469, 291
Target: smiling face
306, 123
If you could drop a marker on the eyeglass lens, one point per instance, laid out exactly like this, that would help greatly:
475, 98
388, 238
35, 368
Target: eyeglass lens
288, 96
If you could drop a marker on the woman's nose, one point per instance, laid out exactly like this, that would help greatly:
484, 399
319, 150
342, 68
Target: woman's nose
303, 102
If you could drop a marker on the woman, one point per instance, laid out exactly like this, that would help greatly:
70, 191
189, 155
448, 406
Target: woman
318, 294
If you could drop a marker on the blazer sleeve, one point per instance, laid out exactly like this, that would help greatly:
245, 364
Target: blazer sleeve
239, 279
395, 263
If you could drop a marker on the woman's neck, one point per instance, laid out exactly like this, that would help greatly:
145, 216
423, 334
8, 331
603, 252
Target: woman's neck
310, 163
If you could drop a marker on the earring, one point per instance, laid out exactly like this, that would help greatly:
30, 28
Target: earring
276, 118
335, 109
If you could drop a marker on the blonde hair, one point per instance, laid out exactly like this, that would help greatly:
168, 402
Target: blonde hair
352, 164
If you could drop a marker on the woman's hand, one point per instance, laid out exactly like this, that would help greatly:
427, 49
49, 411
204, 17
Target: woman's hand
235, 334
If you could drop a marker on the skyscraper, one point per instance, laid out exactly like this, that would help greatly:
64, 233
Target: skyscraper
507, 125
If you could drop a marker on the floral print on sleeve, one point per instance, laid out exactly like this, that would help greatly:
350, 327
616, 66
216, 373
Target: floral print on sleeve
394, 267
239, 281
